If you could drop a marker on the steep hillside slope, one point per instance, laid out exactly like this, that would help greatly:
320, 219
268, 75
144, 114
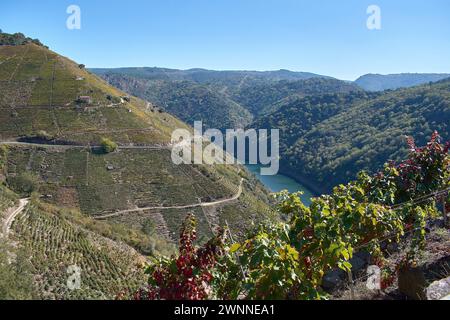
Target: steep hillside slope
379, 82
55, 244
63, 110
296, 116
42, 91
45, 242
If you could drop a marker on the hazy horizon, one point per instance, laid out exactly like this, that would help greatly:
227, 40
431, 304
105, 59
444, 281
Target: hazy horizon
282, 69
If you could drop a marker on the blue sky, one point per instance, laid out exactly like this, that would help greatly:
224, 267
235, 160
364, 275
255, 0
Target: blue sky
322, 36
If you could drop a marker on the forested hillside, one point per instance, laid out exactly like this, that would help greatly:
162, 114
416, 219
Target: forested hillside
298, 115
358, 132
16, 39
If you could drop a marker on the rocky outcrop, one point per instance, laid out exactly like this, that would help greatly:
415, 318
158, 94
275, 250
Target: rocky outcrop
413, 282
439, 290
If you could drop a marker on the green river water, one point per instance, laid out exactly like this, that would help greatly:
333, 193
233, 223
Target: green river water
281, 182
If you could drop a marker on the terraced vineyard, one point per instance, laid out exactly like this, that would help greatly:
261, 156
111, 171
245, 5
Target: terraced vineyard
99, 184
40, 90
46, 98
55, 244
166, 222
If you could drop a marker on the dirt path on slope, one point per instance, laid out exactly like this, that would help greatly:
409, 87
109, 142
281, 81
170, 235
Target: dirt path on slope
14, 212
190, 206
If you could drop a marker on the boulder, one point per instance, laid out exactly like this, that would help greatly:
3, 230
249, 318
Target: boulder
439, 290
333, 279
414, 281
359, 261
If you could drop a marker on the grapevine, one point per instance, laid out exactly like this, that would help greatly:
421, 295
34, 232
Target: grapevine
187, 276
287, 260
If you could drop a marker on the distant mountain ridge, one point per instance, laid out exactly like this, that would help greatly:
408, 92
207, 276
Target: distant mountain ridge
379, 82
205, 75
221, 99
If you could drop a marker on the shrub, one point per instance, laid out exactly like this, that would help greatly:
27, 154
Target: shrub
44, 135
188, 276
108, 145
25, 183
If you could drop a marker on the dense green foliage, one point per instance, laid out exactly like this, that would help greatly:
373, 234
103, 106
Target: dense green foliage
378, 82
24, 184
288, 260
325, 140
108, 145
298, 115
16, 39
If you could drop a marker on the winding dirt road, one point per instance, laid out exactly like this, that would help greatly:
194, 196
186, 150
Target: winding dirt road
190, 206
6, 228
24, 202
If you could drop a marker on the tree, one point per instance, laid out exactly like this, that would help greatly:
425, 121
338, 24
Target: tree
25, 183
108, 145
